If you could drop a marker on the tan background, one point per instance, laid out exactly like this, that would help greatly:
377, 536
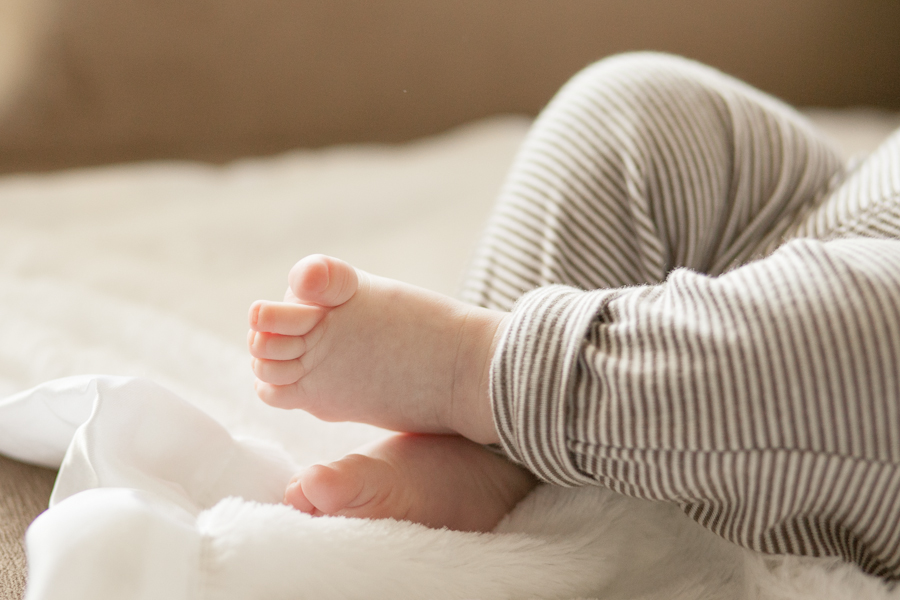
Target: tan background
112, 80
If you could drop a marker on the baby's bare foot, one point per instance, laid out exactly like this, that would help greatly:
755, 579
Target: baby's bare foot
349, 346
435, 480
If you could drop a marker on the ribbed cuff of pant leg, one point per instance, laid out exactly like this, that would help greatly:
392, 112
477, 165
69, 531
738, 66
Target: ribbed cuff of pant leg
532, 375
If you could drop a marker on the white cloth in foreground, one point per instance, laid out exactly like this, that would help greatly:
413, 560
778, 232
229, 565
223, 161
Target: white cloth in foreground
155, 499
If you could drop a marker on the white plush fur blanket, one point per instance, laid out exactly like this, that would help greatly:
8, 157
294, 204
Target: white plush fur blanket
173, 470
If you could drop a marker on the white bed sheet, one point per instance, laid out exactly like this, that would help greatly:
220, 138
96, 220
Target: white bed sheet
148, 270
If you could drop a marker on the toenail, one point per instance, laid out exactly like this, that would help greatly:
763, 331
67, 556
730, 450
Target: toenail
254, 314
327, 278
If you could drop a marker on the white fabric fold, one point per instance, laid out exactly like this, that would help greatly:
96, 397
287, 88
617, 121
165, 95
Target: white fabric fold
142, 436
37, 425
155, 499
114, 543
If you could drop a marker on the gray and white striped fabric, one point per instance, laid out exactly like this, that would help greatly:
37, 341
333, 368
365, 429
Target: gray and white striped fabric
705, 310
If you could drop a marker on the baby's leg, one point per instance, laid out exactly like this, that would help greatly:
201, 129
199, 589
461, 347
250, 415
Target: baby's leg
641, 164
764, 401
436, 480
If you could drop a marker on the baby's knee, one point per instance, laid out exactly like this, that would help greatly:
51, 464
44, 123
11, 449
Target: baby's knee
643, 68
635, 81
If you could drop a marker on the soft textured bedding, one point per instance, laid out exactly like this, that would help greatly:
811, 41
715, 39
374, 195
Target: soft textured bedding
172, 469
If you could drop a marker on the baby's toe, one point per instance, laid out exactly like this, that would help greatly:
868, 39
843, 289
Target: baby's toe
277, 396
275, 347
355, 486
323, 280
278, 372
330, 490
294, 496
284, 318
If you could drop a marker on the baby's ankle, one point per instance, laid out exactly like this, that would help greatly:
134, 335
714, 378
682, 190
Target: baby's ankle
471, 414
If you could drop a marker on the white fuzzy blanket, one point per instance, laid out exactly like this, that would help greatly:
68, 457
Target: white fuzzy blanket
168, 489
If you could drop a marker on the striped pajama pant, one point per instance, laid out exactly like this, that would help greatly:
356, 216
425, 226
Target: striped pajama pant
705, 310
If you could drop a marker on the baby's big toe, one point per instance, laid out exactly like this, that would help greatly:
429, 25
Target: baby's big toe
294, 496
329, 489
323, 280
355, 486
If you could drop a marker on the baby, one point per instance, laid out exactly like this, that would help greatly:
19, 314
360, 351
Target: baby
682, 295
348, 346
